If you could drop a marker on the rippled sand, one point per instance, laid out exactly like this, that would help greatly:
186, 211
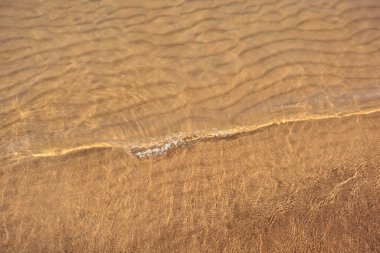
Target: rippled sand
190, 126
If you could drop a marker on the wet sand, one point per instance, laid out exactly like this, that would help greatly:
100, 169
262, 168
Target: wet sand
309, 186
189, 126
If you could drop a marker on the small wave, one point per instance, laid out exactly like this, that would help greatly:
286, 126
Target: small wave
158, 150
182, 140
162, 146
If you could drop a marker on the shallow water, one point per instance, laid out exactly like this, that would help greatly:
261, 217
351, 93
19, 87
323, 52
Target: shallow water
90, 73
189, 118
309, 186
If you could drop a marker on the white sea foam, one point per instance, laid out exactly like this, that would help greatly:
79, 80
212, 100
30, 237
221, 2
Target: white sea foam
182, 139
158, 150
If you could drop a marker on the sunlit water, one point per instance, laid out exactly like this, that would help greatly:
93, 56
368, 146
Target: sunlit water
154, 76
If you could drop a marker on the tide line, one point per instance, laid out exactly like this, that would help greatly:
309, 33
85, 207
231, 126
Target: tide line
168, 143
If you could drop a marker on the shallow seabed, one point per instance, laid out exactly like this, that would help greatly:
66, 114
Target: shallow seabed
190, 126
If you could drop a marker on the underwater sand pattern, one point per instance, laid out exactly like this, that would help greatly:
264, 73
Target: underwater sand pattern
190, 126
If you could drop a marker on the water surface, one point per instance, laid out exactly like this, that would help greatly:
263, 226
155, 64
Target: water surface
189, 126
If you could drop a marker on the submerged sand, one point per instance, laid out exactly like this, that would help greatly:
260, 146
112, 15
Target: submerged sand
189, 126
299, 187
128, 72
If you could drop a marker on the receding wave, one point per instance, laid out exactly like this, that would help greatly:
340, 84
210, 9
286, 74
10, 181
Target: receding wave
164, 145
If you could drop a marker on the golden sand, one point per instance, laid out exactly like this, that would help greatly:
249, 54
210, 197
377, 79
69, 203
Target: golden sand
190, 126
308, 186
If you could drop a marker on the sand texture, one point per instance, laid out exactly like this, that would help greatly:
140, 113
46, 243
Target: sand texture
190, 126
309, 186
